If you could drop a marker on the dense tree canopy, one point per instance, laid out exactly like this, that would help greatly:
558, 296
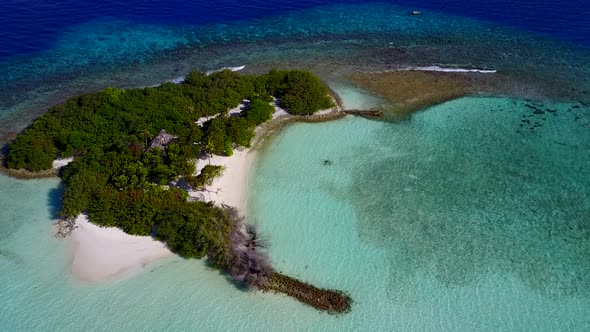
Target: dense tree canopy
259, 111
298, 91
119, 182
122, 180
127, 117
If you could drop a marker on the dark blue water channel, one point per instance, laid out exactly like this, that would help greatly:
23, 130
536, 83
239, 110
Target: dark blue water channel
34, 25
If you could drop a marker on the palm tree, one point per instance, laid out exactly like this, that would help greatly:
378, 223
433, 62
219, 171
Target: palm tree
145, 134
209, 149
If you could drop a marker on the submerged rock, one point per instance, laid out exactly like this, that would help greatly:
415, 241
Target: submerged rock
331, 301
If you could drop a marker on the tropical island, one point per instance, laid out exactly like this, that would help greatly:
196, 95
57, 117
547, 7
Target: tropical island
131, 165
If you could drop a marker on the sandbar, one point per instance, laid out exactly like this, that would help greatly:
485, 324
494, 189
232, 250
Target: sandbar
103, 254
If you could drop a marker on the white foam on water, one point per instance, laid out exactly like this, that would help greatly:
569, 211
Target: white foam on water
177, 80
450, 69
238, 68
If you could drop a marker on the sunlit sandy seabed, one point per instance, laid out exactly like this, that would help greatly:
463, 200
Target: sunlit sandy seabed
458, 219
468, 216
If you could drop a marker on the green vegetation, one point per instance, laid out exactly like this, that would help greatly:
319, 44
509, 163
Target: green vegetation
120, 183
298, 91
132, 117
205, 178
259, 111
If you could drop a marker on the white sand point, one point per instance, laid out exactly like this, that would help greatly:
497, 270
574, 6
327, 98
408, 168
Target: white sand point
101, 254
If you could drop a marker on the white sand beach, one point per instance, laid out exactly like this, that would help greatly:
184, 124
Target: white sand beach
231, 188
104, 254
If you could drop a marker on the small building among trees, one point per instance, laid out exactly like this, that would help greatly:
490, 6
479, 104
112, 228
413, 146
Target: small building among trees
161, 140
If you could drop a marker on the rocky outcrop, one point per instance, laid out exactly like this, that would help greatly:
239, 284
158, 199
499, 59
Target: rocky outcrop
371, 114
65, 227
250, 266
331, 301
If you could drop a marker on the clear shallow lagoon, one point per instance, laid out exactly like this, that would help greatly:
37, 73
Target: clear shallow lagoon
39, 293
459, 219
472, 215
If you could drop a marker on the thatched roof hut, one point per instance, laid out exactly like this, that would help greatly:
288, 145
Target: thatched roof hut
161, 140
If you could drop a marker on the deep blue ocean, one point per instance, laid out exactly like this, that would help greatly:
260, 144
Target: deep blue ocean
33, 26
50, 50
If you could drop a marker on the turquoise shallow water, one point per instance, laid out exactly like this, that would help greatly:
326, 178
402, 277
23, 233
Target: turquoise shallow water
458, 219
39, 293
473, 215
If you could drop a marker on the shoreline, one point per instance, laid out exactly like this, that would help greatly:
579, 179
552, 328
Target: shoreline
23, 174
282, 119
101, 254
231, 187
239, 166
105, 254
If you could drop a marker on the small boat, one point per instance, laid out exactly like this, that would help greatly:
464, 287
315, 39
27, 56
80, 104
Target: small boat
416, 12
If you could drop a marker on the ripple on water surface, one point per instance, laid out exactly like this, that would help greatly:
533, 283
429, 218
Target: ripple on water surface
330, 40
473, 214
475, 187
458, 219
